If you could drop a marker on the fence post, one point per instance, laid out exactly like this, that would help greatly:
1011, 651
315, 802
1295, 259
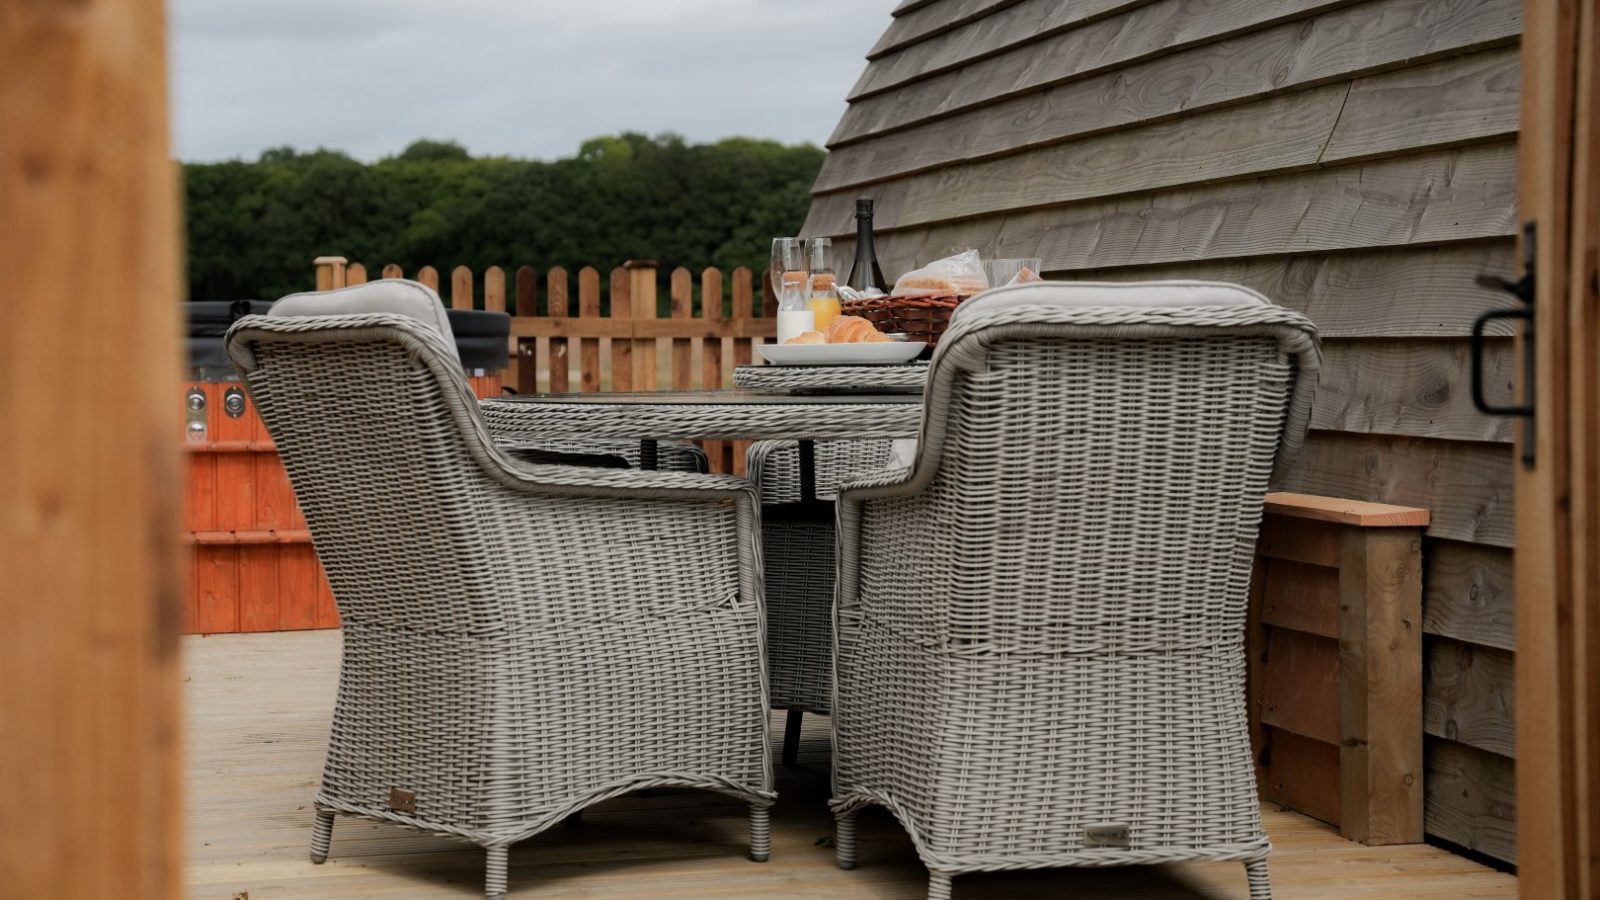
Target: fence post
642, 290
330, 272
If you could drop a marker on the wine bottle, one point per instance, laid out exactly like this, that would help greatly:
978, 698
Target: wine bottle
865, 275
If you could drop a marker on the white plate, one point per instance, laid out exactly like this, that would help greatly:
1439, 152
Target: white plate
882, 353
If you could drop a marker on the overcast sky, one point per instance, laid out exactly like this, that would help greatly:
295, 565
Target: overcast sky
508, 77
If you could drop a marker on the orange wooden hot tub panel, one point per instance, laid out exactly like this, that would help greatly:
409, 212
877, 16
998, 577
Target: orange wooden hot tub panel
254, 565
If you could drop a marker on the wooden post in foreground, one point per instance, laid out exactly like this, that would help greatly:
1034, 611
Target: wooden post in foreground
90, 561
1336, 663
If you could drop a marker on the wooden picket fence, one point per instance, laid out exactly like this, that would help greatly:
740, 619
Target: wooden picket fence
607, 334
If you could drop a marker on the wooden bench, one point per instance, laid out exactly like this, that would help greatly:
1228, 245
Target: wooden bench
1335, 671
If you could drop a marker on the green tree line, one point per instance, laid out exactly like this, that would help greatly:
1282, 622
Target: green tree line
253, 227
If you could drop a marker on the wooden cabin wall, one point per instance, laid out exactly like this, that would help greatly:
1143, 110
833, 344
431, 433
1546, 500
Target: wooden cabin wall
1355, 161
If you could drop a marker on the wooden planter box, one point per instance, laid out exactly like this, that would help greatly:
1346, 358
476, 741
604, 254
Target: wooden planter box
1335, 670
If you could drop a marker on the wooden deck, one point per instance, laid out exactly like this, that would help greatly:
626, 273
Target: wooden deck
258, 708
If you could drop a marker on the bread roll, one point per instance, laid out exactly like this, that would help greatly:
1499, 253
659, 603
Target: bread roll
937, 285
849, 330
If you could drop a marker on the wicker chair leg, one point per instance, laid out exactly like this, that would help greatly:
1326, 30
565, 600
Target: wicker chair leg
760, 832
1256, 871
494, 879
844, 841
939, 886
321, 837
791, 737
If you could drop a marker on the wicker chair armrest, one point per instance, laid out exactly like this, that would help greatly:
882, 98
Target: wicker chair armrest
596, 482
537, 456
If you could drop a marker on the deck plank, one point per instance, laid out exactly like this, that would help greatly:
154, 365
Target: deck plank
258, 707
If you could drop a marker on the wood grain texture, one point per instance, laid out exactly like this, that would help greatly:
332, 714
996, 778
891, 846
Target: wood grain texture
525, 370
1280, 134
1380, 686
1008, 27
429, 276
1299, 540
1470, 697
1448, 102
943, 85
1551, 781
1472, 800
1436, 197
589, 347
90, 559
1470, 594
1301, 774
682, 286
1300, 597
621, 351
711, 365
1464, 485
1583, 408
1451, 103
745, 300
461, 288
1344, 512
1300, 684
1420, 389
930, 19
642, 291
1341, 44
1399, 293
559, 361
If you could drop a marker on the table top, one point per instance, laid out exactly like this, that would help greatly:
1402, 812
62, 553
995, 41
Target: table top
908, 377
725, 397
704, 415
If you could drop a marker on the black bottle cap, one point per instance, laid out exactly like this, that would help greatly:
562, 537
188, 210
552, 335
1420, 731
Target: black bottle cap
863, 206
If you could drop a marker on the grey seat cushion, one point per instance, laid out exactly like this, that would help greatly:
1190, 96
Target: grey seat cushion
1148, 294
389, 295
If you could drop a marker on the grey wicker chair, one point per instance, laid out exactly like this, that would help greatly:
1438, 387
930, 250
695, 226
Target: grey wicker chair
797, 546
520, 640
1039, 641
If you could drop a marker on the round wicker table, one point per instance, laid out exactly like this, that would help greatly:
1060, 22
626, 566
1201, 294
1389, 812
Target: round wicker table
705, 415
833, 379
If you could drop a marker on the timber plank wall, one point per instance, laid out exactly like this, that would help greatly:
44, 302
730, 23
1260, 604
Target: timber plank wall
1355, 161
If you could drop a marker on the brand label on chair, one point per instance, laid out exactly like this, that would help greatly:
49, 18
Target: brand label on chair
402, 801
1109, 836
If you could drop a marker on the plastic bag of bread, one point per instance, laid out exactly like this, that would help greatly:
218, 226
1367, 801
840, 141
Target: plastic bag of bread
954, 276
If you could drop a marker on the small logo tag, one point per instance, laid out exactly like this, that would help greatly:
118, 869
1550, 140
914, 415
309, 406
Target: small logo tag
402, 801
1108, 836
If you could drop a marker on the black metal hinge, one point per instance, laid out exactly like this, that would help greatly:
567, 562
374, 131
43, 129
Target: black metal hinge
1524, 290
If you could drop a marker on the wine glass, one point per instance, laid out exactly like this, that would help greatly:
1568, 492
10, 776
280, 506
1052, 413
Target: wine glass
788, 255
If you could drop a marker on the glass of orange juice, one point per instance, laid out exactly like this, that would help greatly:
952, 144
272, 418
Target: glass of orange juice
824, 301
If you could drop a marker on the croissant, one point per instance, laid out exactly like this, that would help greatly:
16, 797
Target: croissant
808, 337
852, 330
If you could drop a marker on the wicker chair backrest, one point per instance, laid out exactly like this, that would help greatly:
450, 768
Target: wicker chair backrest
1092, 478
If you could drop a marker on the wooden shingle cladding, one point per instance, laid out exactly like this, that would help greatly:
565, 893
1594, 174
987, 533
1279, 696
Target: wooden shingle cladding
1355, 161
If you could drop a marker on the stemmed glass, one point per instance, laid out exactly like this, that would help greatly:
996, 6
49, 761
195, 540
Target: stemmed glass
788, 255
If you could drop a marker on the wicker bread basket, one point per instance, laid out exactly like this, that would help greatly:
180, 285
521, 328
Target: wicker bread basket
920, 318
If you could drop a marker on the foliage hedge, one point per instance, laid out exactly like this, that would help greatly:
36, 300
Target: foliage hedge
253, 227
